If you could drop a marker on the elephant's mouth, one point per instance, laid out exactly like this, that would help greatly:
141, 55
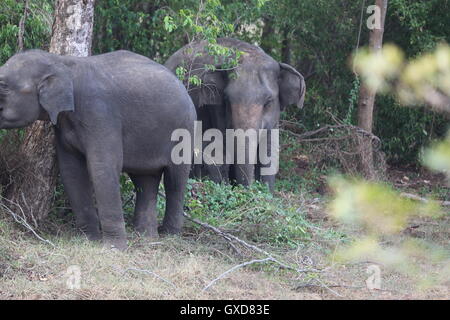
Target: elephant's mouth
5, 124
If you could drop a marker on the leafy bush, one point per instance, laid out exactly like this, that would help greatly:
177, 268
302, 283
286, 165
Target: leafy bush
253, 212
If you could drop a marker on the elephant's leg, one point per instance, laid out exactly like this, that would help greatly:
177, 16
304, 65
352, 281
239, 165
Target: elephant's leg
262, 170
217, 116
214, 173
75, 177
175, 179
104, 169
145, 214
268, 179
196, 171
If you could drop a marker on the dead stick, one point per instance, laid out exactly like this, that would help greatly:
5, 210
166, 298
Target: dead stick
418, 198
22, 221
236, 267
151, 273
230, 237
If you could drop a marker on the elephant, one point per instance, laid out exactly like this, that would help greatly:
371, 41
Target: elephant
249, 95
111, 113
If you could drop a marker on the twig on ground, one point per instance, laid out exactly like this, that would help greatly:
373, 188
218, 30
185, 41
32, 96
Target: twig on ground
22, 220
237, 267
328, 288
320, 285
418, 198
230, 237
149, 272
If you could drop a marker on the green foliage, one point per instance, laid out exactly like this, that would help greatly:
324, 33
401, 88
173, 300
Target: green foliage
378, 209
321, 53
406, 134
416, 27
135, 25
383, 215
289, 30
202, 22
412, 28
438, 156
251, 212
37, 27
324, 51
290, 178
352, 101
411, 83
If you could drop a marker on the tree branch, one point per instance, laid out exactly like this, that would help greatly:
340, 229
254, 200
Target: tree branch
22, 27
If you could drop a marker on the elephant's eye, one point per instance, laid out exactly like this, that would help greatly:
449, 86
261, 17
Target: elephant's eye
3, 89
268, 103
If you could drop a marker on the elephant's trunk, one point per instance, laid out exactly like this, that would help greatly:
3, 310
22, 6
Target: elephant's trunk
246, 120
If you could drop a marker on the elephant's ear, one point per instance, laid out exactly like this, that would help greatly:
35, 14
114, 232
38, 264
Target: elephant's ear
56, 92
292, 87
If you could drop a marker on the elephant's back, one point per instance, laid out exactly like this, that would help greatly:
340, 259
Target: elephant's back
139, 81
144, 93
126, 65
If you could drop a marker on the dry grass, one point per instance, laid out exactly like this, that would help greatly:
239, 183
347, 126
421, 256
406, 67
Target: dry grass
348, 280
181, 267
33, 270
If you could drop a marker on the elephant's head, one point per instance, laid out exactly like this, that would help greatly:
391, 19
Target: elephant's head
255, 97
253, 93
34, 85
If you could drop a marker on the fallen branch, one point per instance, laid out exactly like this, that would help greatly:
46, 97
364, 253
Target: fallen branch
21, 220
320, 285
149, 272
230, 238
418, 198
290, 125
224, 235
237, 267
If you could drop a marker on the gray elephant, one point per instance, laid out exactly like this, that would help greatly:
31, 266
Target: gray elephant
112, 113
247, 96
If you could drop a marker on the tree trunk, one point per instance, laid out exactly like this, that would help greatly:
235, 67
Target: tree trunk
367, 99
267, 32
34, 189
286, 47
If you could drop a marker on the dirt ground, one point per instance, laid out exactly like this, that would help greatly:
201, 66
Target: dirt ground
183, 267
348, 281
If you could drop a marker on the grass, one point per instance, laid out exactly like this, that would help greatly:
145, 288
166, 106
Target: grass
292, 225
30, 269
252, 213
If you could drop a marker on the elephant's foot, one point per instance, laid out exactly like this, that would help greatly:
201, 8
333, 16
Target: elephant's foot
94, 236
92, 233
168, 230
148, 232
115, 244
